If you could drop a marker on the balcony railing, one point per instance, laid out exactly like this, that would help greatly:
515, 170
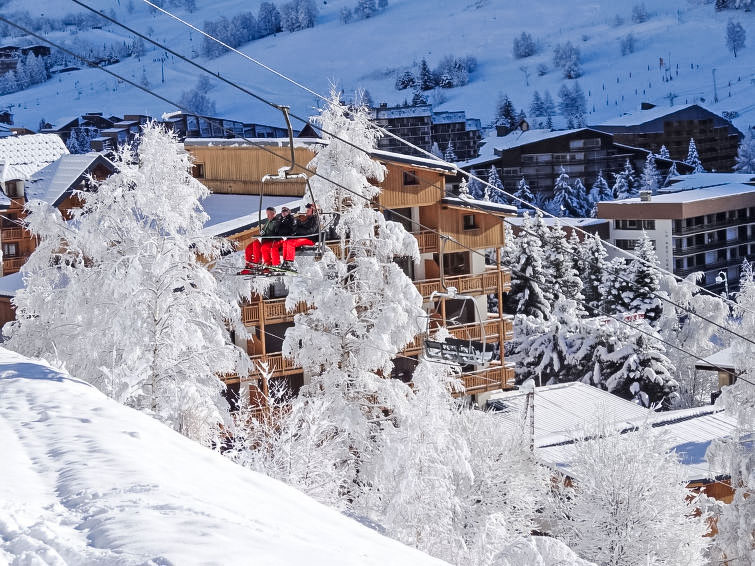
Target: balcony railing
488, 379
469, 331
13, 263
479, 284
713, 226
11, 234
274, 311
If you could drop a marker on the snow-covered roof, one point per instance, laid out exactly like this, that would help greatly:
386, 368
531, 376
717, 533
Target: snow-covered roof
449, 117
401, 111
703, 180
230, 214
562, 409
689, 431
692, 195
722, 359
10, 284
102, 483
468, 202
22, 156
51, 183
565, 221
644, 116
426, 162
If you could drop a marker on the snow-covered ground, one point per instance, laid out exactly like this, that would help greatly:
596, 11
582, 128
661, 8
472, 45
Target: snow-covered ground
368, 53
86, 481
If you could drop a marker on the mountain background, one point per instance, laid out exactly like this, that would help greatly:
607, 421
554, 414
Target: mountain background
370, 53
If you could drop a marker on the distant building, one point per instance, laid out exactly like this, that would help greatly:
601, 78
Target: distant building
6, 117
709, 229
716, 138
539, 155
423, 127
186, 125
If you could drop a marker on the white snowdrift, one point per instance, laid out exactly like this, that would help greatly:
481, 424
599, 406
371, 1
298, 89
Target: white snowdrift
86, 481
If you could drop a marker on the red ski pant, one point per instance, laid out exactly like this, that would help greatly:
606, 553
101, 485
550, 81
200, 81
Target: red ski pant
290, 245
260, 251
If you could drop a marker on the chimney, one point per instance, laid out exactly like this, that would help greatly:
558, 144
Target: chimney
646, 105
645, 196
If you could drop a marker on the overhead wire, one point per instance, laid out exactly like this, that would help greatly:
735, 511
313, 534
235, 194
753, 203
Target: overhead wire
261, 146
423, 151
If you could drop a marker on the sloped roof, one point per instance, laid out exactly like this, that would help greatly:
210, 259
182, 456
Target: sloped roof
644, 116
703, 180
722, 359
51, 183
22, 156
11, 284
692, 195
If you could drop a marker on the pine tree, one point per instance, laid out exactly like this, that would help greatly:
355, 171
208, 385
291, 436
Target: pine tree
74, 142
583, 204
527, 296
591, 264
435, 150
495, 194
149, 321
615, 290
464, 188
625, 182
365, 9
425, 78
419, 98
476, 190
645, 281
537, 107
268, 19
663, 153
8, 83
600, 190
746, 154
523, 193
505, 114
561, 277
568, 200
693, 159
450, 154
549, 107
650, 175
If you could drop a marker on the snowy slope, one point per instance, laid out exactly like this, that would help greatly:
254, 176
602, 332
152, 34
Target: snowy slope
85, 481
368, 54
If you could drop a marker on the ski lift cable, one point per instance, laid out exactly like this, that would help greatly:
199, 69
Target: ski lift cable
261, 146
655, 336
394, 136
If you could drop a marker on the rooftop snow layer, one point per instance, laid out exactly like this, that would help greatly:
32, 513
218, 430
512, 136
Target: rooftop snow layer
643, 116
692, 195
703, 180
85, 480
494, 145
11, 284
722, 359
564, 221
50, 183
22, 156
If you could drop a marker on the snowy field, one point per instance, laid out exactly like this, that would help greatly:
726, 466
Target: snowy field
85, 481
368, 54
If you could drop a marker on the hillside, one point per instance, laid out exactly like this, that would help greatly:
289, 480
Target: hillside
85, 481
369, 53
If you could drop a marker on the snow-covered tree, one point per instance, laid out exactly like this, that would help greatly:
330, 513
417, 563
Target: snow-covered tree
365, 9
505, 113
523, 194
120, 297
625, 183
569, 200
562, 278
650, 175
298, 15
746, 154
600, 192
645, 281
528, 281
735, 37
496, 193
8, 82
196, 99
524, 46
536, 106
663, 153
672, 172
628, 503
567, 58
435, 150
476, 189
693, 159
591, 265
615, 290
450, 154
584, 204
425, 79
365, 309
268, 19
405, 80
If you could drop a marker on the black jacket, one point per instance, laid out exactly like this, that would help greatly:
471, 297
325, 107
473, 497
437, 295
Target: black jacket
285, 225
308, 227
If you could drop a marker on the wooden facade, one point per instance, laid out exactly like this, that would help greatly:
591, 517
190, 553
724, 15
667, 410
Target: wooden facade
413, 193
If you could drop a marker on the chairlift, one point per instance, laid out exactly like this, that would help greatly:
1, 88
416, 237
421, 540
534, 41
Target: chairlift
457, 351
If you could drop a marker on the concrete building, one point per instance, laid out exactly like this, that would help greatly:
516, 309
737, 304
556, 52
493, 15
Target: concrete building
709, 229
716, 138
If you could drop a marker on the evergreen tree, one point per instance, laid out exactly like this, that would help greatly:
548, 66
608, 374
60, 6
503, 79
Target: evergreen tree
268, 19
568, 200
528, 277
365, 9
746, 154
450, 154
650, 175
435, 150
464, 188
615, 290
537, 107
524, 46
524, 193
495, 194
505, 114
663, 153
405, 80
425, 78
549, 107
419, 98
645, 281
600, 190
561, 277
625, 182
8, 83
583, 203
476, 190
735, 36
591, 264
693, 159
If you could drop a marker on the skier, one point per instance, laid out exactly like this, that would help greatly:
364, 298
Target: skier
259, 251
305, 233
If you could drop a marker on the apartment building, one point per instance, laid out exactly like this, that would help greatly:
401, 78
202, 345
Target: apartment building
414, 188
710, 229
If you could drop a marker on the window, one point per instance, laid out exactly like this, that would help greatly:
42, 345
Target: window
634, 224
197, 171
410, 178
511, 171
15, 189
630, 244
10, 249
470, 222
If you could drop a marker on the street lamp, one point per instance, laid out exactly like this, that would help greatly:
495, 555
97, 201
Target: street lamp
722, 278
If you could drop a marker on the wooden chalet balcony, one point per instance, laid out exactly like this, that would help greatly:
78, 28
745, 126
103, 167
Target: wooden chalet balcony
469, 331
11, 264
276, 363
272, 311
478, 284
427, 241
488, 379
12, 234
